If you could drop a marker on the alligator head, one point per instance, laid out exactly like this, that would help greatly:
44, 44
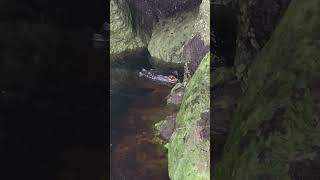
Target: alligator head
157, 77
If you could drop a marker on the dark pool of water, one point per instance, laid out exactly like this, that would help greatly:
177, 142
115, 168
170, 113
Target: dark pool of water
134, 153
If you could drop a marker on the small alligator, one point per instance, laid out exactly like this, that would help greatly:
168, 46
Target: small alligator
155, 76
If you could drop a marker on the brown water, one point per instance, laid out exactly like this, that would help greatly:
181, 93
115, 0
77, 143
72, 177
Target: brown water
134, 154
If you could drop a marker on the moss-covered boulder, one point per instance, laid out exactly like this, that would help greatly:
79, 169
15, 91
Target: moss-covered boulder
148, 12
189, 147
170, 35
123, 36
276, 123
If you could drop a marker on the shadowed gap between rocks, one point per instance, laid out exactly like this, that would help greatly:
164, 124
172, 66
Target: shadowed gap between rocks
223, 44
224, 25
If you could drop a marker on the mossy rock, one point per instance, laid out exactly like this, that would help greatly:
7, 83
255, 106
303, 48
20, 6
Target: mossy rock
176, 95
188, 151
123, 37
171, 34
276, 122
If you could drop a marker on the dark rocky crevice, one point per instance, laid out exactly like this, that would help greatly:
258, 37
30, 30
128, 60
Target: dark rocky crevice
224, 27
223, 46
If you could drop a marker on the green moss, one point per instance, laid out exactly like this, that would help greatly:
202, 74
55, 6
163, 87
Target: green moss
170, 35
273, 124
123, 39
188, 154
168, 38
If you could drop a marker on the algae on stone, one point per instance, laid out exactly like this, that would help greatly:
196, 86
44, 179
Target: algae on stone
123, 37
275, 123
188, 152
